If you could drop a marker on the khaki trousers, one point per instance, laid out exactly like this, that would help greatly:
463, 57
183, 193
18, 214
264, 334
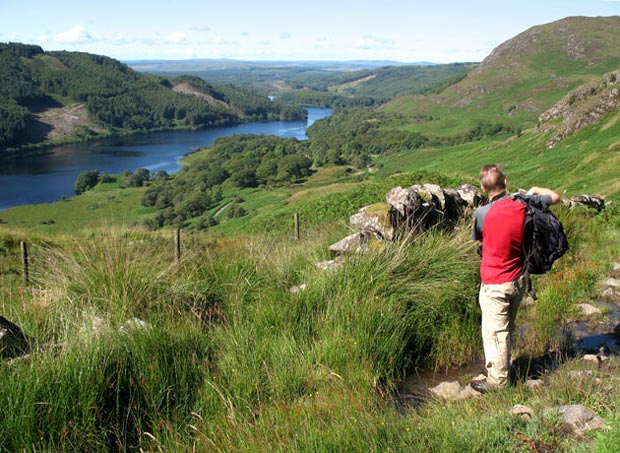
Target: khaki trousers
499, 305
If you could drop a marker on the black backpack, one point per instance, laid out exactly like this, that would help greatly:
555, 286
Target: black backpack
544, 240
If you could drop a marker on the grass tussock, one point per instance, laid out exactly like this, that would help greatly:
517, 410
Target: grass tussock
135, 350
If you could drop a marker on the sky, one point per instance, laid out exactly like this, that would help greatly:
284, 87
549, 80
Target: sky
438, 31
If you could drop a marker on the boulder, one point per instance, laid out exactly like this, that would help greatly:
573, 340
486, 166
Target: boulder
13, 342
330, 265
432, 194
580, 419
453, 391
424, 206
592, 201
404, 201
522, 411
352, 243
375, 219
612, 283
472, 195
589, 310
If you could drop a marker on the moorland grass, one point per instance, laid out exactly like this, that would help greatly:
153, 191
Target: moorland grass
232, 360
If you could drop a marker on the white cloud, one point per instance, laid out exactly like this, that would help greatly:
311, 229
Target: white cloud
115, 38
176, 38
42, 39
200, 28
222, 42
75, 35
370, 42
284, 35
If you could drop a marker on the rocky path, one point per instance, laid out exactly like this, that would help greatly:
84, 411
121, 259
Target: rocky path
594, 349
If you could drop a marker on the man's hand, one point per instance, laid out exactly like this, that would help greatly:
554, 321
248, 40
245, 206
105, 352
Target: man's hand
555, 198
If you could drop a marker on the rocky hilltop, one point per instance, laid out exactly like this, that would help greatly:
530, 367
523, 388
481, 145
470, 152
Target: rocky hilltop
526, 75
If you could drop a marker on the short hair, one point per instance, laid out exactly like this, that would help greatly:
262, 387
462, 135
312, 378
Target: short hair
492, 178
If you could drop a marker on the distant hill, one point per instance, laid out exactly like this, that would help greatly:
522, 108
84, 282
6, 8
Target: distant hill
522, 77
59, 96
329, 83
194, 66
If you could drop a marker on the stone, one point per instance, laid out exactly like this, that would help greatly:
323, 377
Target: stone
13, 342
528, 301
608, 293
133, 324
375, 219
522, 411
589, 310
352, 243
612, 282
431, 194
592, 201
472, 195
534, 384
100, 325
453, 391
298, 289
329, 265
403, 200
616, 265
580, 419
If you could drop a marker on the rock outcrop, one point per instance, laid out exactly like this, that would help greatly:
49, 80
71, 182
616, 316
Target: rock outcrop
415, 208
582, 107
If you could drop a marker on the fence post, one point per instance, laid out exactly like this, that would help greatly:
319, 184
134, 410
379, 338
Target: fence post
296, 218
177, 245
25, 268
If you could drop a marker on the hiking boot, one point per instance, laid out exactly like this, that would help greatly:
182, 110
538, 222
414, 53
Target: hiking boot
480, 385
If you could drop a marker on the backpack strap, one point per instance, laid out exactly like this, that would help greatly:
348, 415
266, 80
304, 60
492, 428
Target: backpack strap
528, 283
526, 268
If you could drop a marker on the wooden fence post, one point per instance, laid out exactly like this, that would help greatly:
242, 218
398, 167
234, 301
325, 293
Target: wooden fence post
296, 218
25, 268
177, 245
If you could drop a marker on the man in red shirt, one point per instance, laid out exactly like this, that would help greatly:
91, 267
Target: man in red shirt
499, 225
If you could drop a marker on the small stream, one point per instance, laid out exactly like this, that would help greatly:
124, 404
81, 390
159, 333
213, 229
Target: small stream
586, 335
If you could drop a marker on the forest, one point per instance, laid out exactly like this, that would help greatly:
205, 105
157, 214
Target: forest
240, 161
325, 84
118, 98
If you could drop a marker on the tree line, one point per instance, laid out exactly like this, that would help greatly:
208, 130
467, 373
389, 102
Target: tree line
116, 96
240, 161
352, 136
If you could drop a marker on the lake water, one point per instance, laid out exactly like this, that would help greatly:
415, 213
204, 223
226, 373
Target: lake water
47, 178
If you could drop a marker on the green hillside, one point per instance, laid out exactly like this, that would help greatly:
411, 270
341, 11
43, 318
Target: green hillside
59, 96
522, 77
229, 337
320, 83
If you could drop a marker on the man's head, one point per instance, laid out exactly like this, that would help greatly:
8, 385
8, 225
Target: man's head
492, 179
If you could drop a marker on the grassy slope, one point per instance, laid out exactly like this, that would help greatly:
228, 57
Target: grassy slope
528, 73
234, 361
104, 207
584, 163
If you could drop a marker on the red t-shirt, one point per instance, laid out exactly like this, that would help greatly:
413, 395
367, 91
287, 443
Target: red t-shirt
502, 242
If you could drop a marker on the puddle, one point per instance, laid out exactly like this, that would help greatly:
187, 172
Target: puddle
598, 331
413, 392
586, 335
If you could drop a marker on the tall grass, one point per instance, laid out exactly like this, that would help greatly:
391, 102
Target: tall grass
230, 359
